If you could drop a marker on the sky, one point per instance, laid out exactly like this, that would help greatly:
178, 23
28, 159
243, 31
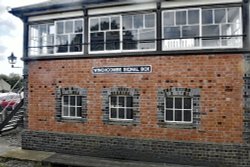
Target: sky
11, 35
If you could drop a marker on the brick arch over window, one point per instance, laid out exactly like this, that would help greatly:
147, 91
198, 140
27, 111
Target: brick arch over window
134, 93
75, 91
185, 92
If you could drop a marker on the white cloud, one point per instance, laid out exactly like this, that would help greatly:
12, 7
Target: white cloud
11, 34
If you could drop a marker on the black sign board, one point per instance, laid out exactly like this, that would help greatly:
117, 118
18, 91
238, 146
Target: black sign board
123, 69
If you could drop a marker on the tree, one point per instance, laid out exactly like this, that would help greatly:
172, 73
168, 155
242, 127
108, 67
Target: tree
12, 79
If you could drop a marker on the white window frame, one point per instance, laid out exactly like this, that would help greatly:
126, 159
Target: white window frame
182, 109
55, 37
200, 28
68, 34
121, 50
30, 47
70, 106
180, 41
117, 108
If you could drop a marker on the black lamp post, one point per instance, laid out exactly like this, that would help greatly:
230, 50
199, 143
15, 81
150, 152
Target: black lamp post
12, 60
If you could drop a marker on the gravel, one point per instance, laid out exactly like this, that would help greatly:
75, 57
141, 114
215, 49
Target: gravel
13, 138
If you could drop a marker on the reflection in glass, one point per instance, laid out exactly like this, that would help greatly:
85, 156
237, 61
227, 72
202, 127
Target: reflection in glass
130, 40
181, 18
69, 27
127, 22
104, 23
220, 15
193, 17
94, 24
169, 19
113, 40
138, 21
62, 42
207, 16
78, 26
149, 21
97, 41
76, 43
115, 23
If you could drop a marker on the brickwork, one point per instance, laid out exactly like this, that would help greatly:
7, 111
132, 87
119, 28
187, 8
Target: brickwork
218, 77
192, 153
246, 134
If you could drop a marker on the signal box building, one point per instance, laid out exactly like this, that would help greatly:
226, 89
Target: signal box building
160, 81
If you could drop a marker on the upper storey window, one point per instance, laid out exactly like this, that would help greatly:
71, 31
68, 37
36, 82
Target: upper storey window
202, 28
120, 33
58, 37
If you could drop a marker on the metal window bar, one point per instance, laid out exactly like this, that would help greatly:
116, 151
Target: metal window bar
146, 41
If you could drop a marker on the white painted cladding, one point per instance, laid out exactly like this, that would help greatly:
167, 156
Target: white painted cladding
125, 8
60, 15
183, 3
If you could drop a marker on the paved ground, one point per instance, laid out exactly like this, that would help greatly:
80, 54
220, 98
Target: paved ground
11, 155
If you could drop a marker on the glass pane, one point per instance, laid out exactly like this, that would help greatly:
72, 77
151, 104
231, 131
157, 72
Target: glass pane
65, 100
113, 113
129, 113
115, 23
178, 115
149, 21
105, 23
169, 102
220, 15
127, 22
79, 112
43, 30
178, 103
121, 113
65, 111
207, 16
169, 115
97, 41
76, 43
113, 101
172, 32
72, 100
211, 30
234, 15
78, 26
190, 31
51, 29
72, 112
121, 102
79, 101
129, 101
181, 17
149, 36
130, 40
193, 17
69, 27
94, 24
113, 40
168, 18
138, 21
187, 103
62, 41
187, 115
59, 27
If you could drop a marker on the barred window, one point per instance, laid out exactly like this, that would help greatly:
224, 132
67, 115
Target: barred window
71, 106
179, 109
121, 107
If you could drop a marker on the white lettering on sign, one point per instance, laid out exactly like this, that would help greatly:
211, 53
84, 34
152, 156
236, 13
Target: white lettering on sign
125, 69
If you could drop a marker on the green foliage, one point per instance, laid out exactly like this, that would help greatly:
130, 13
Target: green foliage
12, 80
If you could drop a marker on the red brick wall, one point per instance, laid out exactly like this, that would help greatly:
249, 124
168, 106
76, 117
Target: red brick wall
218, 76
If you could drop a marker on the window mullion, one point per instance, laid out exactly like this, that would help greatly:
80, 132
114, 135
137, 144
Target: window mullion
173, 108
